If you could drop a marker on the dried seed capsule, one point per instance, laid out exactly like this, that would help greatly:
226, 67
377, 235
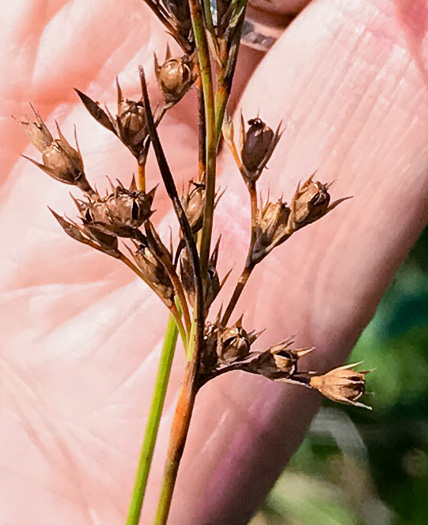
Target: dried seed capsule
310, 203
129, 208
258, 143
342, 385
60, 160
129, 125
154, 271
279, 361
234, 343
174, 77
271, 229
121, 212
103, 236
131, 122
193, 203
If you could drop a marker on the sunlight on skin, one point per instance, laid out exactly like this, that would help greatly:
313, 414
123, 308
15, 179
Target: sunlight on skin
81, 338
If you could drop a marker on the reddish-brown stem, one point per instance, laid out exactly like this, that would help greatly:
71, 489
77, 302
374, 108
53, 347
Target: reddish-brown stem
178, 437
142, 177
249, 265
240, 285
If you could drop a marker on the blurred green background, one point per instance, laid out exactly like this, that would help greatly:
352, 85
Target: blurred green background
357, 467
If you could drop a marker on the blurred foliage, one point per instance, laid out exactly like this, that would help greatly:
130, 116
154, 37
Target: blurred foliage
370, 468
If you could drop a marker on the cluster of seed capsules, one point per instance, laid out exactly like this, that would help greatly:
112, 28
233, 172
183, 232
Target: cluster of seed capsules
124, 213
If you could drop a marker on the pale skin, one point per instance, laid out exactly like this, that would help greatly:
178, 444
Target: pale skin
81, 336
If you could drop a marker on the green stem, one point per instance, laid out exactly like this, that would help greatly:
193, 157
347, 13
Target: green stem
208, 16
208, 93
153, 421
230, 56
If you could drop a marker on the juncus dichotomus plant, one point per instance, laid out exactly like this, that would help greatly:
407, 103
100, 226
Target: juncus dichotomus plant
76, 328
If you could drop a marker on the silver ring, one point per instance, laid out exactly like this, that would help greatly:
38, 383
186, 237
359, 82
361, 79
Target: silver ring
255, 33
259, 36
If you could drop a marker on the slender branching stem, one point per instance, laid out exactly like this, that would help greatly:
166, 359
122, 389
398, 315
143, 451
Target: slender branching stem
249, 265
253, 198
177, 317
210, 144
142, 176
240, 285
208, 16
177, 205
186, 400
153, 421
228, 59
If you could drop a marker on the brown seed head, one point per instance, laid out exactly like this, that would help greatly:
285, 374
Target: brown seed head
129, 125
342, 385
279, 361
235, 342
174, 77
271, 229
258, 143
310, 203
60, 160
120, 212
154, 271
193, 203
130, 208
65, 166
130, 122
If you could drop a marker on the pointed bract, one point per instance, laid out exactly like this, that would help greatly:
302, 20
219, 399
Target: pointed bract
36, 130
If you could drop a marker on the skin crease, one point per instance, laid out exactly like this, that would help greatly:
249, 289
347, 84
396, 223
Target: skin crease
81, 338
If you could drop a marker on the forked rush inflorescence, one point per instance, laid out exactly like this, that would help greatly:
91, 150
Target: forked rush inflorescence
120, 223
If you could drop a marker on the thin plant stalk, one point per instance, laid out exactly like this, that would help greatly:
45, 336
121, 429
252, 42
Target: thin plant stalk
240, 285
249, 265
225, 79
210, 143
186, 401
153, 421
180, 429
142, 177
